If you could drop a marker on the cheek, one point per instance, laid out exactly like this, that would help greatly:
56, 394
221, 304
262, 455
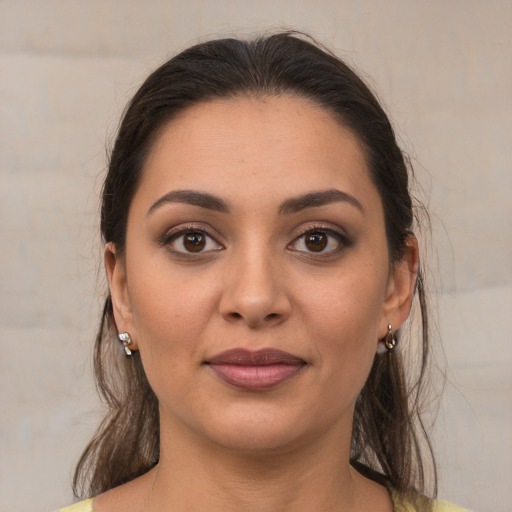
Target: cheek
343, 319
171, 321
349, 304
171, 311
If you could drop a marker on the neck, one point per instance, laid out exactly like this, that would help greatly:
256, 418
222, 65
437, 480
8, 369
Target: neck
196, 475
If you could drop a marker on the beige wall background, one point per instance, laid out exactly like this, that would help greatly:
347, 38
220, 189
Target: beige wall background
67, 67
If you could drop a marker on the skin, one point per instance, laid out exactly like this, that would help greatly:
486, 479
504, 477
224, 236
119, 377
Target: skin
256, 284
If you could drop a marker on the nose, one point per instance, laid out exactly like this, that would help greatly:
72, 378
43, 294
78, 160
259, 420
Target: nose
254, 293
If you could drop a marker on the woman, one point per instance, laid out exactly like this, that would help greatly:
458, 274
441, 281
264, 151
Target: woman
260, 260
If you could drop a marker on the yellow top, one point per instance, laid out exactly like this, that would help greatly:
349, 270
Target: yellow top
439, 506
82, 506
444, 506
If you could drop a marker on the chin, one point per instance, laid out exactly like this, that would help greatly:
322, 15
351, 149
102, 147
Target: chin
263, 432
260, 442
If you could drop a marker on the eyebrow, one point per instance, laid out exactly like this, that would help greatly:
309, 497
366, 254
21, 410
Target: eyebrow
292, 205
194, 198
315, 199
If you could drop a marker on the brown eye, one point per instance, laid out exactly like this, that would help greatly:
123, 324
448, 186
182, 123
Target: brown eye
194, 242
321, 241
188, 240
316, 242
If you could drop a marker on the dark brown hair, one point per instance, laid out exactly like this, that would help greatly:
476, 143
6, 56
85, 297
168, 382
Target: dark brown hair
388, 434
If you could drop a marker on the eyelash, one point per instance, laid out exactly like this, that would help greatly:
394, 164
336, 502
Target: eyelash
340, 236
174, 234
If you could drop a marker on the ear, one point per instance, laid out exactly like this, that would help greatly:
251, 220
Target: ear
117, 282
401, 288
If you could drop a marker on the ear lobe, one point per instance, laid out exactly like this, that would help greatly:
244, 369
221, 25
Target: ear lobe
402, 286
116, 275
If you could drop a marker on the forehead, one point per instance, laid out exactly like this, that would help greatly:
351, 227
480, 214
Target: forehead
276, 146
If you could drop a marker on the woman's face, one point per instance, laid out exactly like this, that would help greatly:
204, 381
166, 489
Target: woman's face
256, 280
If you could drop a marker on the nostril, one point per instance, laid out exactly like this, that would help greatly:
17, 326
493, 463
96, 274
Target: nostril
255, 307
237, 316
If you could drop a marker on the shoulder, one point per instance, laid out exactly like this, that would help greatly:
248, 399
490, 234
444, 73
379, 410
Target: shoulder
81, 506
415, 502
445, 506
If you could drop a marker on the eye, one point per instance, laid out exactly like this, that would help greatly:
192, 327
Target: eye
319, 240
316, 242
191, 241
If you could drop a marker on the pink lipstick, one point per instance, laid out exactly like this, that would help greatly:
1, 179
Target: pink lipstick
255, 371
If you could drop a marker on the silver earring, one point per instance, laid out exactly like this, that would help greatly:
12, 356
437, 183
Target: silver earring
126, 340
389, 339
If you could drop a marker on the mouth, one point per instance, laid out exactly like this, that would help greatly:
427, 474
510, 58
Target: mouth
255, 370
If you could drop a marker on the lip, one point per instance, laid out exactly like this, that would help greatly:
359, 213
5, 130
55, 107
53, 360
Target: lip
255, 370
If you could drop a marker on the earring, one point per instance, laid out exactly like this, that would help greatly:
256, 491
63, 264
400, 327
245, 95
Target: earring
389, 339
126, 340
